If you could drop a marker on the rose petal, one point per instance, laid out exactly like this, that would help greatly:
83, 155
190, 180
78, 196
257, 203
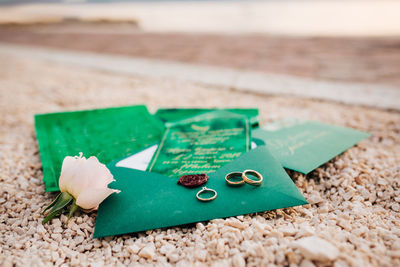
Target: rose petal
68, 172
71, 177
92, 174
100, 175
91, 198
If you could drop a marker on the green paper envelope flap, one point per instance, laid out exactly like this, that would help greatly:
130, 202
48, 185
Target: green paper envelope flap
108, 134
206, 116
302, 145
150, 201
170, 115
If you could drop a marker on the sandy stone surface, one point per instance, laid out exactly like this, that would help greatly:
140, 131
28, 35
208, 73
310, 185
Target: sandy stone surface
362, 59
352, 219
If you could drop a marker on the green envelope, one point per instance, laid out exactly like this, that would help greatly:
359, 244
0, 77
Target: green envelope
305, 145
169, 115
150, 200
108, 134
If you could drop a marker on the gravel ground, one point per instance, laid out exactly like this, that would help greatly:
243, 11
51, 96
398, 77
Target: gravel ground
353, 218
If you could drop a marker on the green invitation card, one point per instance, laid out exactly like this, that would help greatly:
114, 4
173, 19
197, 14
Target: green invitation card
150, 200
201, 144
108, 134
305, 145
168, 115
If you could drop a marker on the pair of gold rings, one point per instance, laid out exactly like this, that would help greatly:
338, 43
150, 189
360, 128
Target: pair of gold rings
244, 177
203, 190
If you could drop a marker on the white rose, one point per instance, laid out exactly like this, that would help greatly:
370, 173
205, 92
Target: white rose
83, 184
86, 180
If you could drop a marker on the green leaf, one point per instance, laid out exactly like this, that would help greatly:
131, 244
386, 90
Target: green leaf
62, 200
50, 216
52, 203
72, 210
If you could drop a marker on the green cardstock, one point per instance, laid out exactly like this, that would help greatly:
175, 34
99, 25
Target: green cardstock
150, 200
201, 144
168, 115
108, 134
305, 145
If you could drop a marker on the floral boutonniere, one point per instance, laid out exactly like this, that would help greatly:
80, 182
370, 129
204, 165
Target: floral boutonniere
83, 184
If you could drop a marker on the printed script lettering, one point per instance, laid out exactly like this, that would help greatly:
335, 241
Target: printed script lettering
296, 141
207, 151
194, 149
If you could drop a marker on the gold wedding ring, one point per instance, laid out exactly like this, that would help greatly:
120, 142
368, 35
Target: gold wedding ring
234, 174
250, 181
204, 189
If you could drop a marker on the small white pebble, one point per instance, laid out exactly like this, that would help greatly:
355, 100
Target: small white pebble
396, 207
238, 261
340, 263
147, 252
235, 223
221, 247
133, 249
315, 248
307, 263
173, 257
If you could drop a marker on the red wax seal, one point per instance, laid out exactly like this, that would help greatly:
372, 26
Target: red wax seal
193, 180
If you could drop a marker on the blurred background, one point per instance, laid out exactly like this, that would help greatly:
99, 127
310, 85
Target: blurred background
335, 41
